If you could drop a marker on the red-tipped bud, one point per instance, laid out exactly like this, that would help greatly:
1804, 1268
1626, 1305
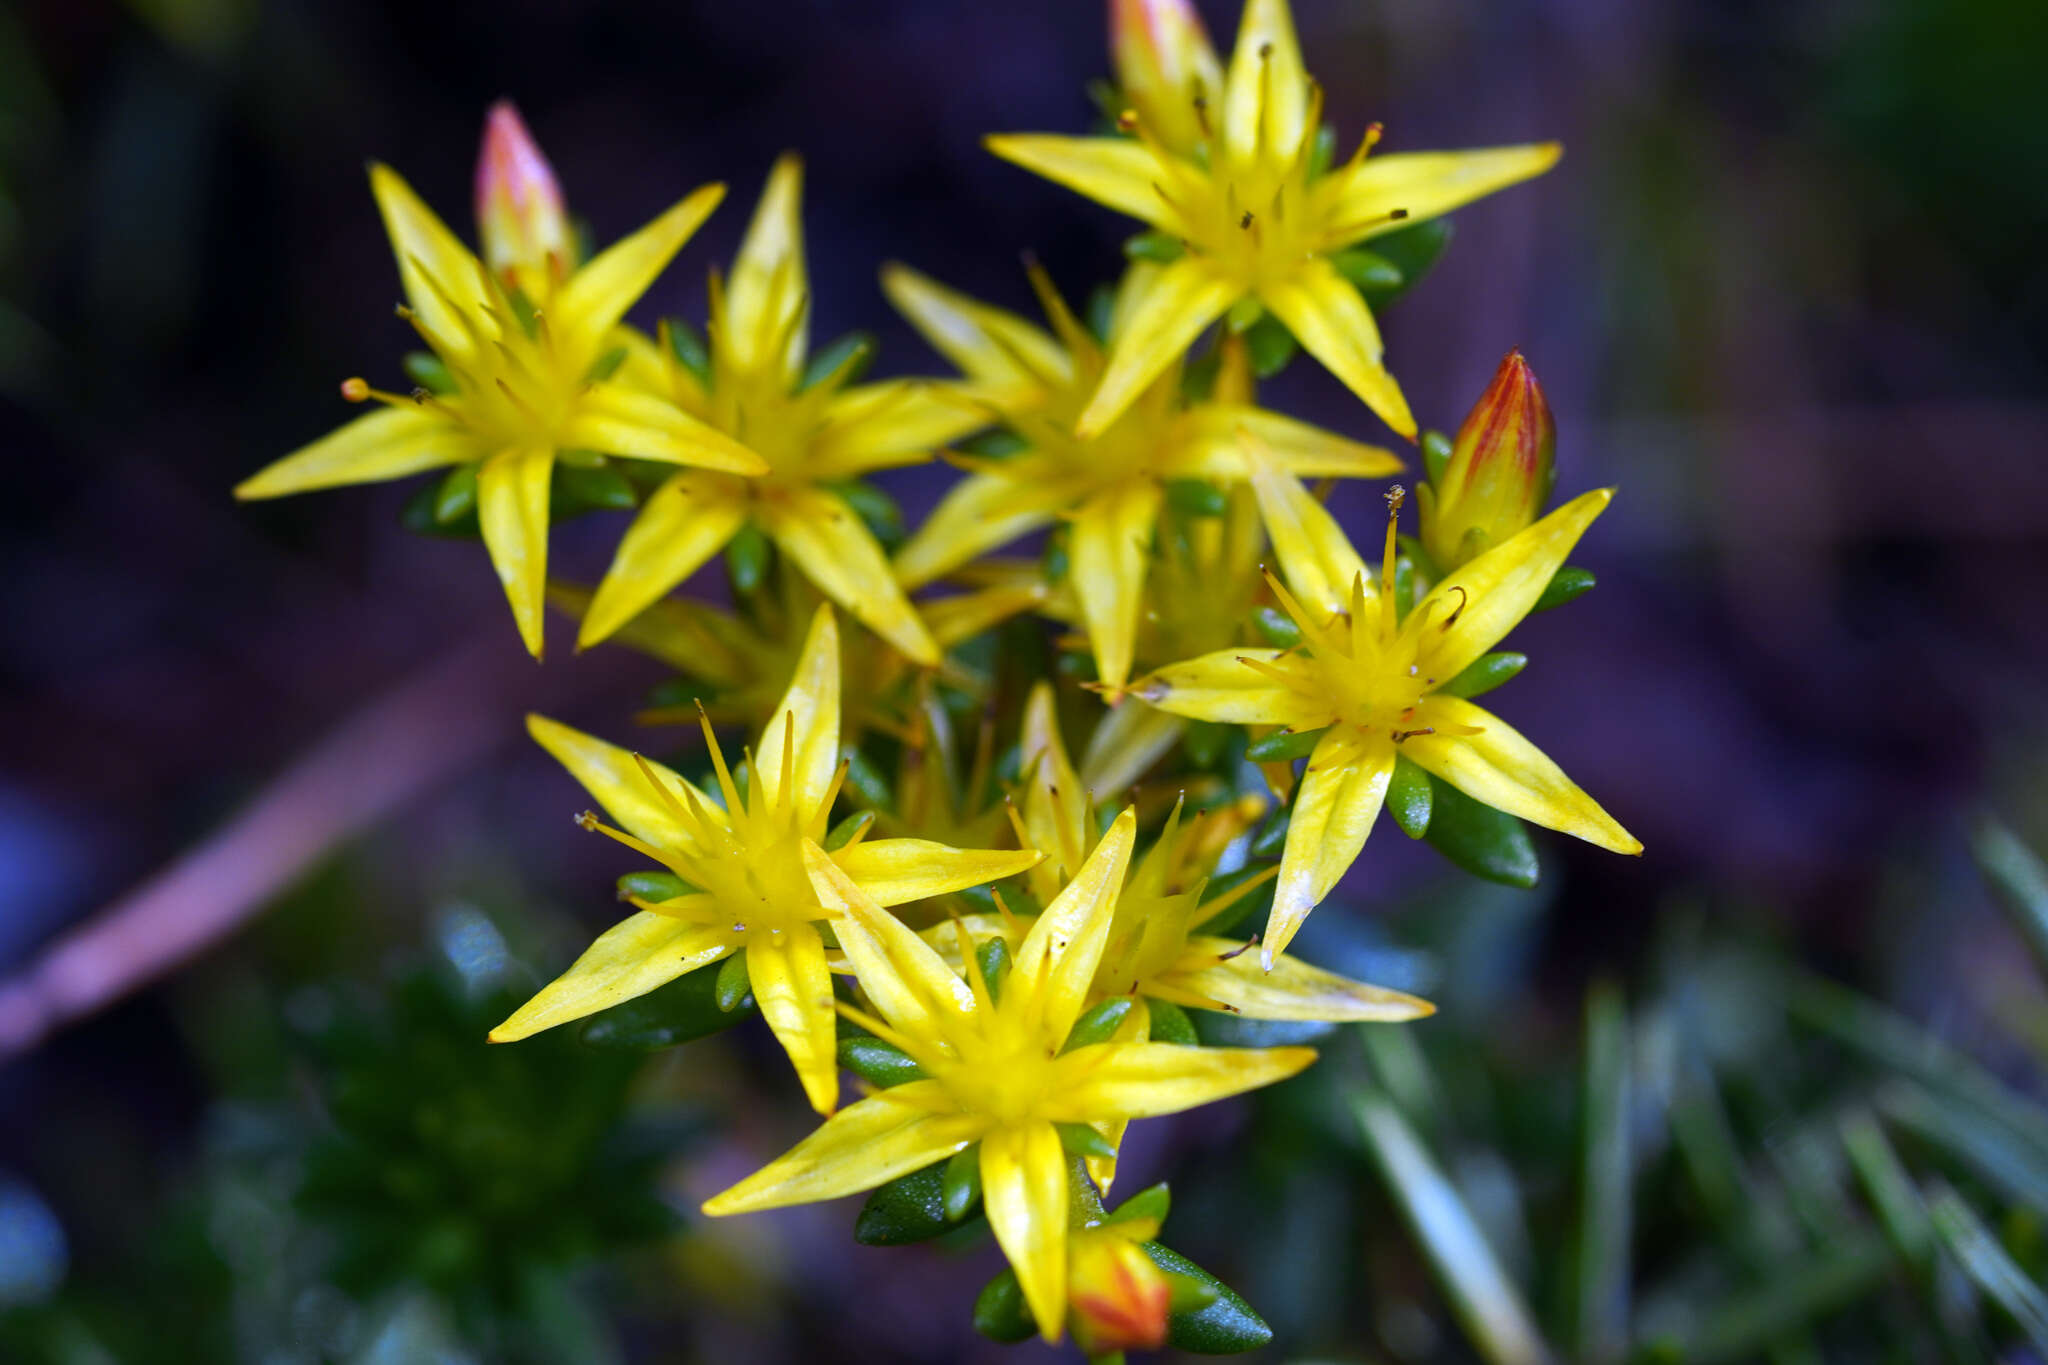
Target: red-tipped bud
1167, 69
1500, 471
519, 214
1117, 1299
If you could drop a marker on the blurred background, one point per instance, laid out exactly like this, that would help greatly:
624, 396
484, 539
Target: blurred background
1786, 290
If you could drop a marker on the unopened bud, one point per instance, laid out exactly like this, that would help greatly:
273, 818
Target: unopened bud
1169, 72
1500, 471
519, 214
1117, 1299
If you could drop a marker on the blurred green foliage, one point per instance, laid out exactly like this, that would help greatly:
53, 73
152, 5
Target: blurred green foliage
419, 1195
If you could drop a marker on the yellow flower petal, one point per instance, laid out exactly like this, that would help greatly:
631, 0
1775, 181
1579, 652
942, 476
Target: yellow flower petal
1318, 558
858, 1148
1116, 172
613, 777
389, 443
1341, 793
812, 704
629, 959
1024, 1194
1056, 805
886, 425
1265, 103
680, 526
897, 871
793, 987
1125, 745
1426, 184
1185, 298
977, 514
598, 295
1057, 960
1109, 542
1501, 768
998, 349
906, 978
1330, 320
1144, 1080
965, 615
836, 552
512, 511
619, 420
769, 294
1497, 588
422, 242
1211, 446
1218, 969
1222, 687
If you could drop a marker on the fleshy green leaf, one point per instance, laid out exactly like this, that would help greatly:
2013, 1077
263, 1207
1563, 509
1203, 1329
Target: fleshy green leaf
733, 987
1412, 250
1567, 583
1277, 628
910, 1208
1270, 346
880, 1063
1436, 453
1170, 1024
960, 1183
1081, 1140
1196, 498
849, 829
588, 488
992, 960
1485, 842
426, 369
1162, 248
653, 887
685, 1008
1283, 746
1485, 673
687, 343
746, 558
844, 360
1000, 1312
1409, 798
1225, 1326
1099, 1024
1154, 1201
1370, 271
876, 510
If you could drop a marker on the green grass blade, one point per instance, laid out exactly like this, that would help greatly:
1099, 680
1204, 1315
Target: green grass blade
1489, 1307
1986, 1262
1602, 1278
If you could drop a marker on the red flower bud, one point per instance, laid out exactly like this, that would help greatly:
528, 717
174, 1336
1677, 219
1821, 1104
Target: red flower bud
1165, 64
519, 214
1117, 1299
1500, 471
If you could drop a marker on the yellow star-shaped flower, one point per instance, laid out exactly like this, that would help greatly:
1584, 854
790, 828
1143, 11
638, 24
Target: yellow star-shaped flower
1108, 486
746, 863
997, 1071
1227, 163
1156, 948
1376, 683
808, 436
533, 375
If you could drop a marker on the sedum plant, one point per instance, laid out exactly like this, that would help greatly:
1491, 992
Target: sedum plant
907, 875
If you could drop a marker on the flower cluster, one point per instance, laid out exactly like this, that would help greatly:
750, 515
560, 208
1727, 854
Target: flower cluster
1016, 946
